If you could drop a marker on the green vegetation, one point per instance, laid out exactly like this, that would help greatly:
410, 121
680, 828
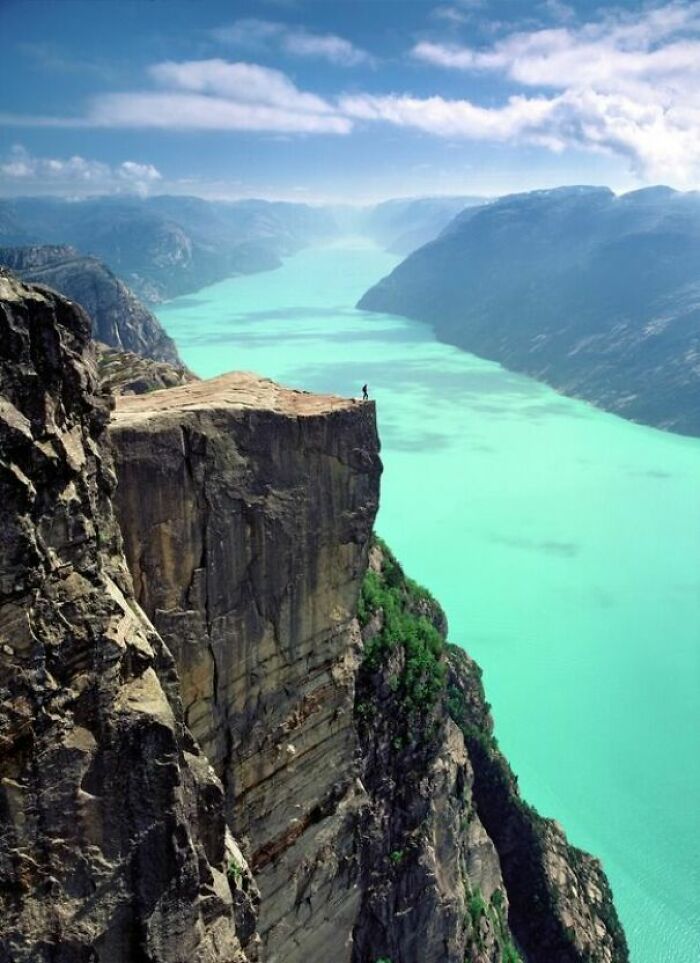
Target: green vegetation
510, 954
234, 873
396, 856
404, 607
477, 908
497, 899
494, 915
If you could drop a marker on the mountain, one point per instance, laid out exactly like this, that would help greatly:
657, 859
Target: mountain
166, 246
232, 728
404, 224
11, 232
118, 317
595, 294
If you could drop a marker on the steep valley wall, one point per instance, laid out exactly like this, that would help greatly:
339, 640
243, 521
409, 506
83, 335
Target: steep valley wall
234, 732
247, 512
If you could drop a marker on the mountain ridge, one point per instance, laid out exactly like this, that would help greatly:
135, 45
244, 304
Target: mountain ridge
596, 294
167, 245
118, 317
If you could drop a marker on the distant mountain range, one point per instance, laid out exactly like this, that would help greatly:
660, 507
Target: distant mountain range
170, 245
597, 295
118, 317
166, 246
405, 224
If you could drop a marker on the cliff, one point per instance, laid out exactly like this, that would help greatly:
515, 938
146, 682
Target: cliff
247, 511
455, 865
597, 295
348, 747
119, 319
113, 843
239, 734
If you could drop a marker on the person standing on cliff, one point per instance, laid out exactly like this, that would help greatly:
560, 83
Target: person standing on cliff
365, 393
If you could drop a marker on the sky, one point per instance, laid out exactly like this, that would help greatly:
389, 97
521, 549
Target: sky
346, 100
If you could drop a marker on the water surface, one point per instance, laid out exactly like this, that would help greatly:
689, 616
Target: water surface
563, 543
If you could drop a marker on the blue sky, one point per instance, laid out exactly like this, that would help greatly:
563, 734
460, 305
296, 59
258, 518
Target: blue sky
355, 100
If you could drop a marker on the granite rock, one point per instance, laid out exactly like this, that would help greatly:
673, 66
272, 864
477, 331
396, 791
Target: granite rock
113, 840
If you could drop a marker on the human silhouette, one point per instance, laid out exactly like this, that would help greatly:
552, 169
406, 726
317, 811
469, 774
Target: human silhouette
365, 393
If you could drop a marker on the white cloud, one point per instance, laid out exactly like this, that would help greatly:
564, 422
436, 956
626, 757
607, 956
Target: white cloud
625, 84
451, 118
658, 144
622, 85
252, 33
335, 50
133, 171
218, 95
662, 42
249, 33
211, 95
459, 12
182, 111
244, 83
76, 172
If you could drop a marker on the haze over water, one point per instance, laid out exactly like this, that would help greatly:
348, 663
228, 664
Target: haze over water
563, 543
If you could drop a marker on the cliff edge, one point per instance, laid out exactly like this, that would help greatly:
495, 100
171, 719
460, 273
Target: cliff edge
354, 744
113, 843
238, 733
247, 511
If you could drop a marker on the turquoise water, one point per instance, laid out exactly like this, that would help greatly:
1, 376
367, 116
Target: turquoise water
563, 542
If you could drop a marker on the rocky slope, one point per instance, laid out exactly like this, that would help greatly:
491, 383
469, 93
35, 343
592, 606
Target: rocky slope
372, 823
455, 865
119, 319
595, 294
126, 373
113, 842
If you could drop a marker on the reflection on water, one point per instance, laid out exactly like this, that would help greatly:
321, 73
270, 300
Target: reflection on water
563, 542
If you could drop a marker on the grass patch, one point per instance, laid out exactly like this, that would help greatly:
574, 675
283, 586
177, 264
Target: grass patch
402, 604
234, 873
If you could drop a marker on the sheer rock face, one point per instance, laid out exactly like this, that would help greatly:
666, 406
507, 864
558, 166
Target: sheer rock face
425, 854
561, 904
431, 882
455, 866
247, 511
113, 842
118, 317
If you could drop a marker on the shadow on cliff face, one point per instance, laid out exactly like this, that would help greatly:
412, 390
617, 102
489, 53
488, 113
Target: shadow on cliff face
113, 843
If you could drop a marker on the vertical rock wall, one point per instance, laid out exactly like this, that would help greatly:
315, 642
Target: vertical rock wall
247, 511
113, 843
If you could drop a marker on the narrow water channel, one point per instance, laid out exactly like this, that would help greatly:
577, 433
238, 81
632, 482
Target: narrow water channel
563, 543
